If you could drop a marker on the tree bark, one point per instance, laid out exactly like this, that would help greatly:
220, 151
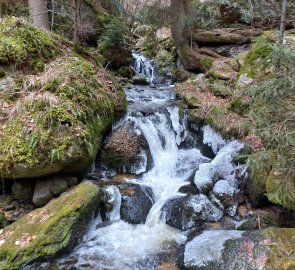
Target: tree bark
76, 4
192, 58
39, 13
283, 22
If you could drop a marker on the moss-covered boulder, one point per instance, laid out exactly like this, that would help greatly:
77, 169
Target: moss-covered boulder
50, 230
225, 69
52, 121
24, 47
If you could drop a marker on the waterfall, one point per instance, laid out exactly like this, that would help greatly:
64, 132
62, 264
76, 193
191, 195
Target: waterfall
155, 115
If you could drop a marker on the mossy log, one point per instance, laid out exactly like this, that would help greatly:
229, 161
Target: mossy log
224, 36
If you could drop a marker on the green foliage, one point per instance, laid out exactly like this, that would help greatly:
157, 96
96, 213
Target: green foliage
272, 113
114, 36
258, 59
154, 15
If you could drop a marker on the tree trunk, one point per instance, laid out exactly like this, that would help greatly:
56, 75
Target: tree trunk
76, 4
283, 22
191, 56
39, 13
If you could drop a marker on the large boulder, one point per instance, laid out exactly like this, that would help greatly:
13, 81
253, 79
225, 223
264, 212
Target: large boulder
57, 118
137, 200
23, 191
271, 248
121, 147
191, 211
47, 231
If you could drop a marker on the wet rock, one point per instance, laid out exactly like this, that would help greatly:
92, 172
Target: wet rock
23, 191
42, 192
111, 204
189, 189
220, 168
226, 193
137, 200
205, 250
228, 224
223, 250
140, 80
191, 211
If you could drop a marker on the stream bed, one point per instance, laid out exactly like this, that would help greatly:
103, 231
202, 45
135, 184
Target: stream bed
187, 177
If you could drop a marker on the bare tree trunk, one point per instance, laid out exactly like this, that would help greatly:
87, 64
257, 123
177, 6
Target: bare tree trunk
252, 13
52, 16
77, 19
283, 22
39, 13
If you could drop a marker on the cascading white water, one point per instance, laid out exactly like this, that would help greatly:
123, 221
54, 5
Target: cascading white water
144, 66
123, 246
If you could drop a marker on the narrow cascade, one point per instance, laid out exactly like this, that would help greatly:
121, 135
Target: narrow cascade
155, 115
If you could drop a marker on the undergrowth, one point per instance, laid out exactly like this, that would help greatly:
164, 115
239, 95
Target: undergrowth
273, 115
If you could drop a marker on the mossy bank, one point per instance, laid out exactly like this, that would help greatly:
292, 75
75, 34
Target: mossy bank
55, 104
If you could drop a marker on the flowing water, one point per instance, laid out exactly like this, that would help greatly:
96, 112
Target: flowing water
155, 115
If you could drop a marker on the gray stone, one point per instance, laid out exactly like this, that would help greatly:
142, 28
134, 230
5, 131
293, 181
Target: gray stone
58, 185
42, 193
191, 211
137, 200
71, 181
140, 80
5, 83
23, 191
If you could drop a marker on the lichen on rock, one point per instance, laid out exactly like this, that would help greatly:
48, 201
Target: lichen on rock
46, 231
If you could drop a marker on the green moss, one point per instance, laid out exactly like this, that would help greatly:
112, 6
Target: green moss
238, 105
220, 88
164, 61
281, 249
256, 59
63, 124
260, 167
193, 102
196, 116
20, 43
37, 65
44, 232
207, 62
280, 188
126, 72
